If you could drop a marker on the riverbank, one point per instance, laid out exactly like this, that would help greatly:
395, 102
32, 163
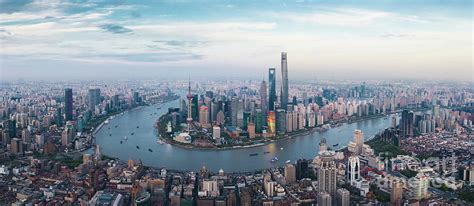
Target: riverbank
320, 129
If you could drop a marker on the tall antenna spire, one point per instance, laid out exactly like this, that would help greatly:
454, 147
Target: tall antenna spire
190, 97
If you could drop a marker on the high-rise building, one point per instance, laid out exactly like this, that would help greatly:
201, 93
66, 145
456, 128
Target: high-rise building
359, 140
216, 132
343, 197
263, 97
240, 114
68, 103
322, 145
195, 107
284, 81
281, 121
406, 123
353, 169
289, 121
290, 174
210, 187
396, 193
301, 169
16, 146
269, 188
93, 98
204, 116
271, 89
136, 98
394, 121
324, 199
327, 173
419, 186
271, 122
246, 119
251, 129
258, 121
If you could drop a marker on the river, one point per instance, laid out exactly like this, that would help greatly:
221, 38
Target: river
233, 160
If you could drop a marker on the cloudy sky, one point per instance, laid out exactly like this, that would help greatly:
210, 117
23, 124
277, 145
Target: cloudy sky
54, 40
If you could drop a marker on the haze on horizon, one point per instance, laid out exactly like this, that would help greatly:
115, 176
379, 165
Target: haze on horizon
61, 40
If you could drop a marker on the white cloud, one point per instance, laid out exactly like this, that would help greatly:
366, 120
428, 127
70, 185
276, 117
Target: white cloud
345, 17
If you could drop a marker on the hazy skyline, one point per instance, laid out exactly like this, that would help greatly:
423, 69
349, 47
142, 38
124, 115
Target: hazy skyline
324, 39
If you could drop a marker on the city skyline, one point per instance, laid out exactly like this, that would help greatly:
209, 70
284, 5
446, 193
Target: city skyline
327, 40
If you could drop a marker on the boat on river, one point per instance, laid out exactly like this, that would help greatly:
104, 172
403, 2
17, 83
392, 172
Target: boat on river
253, 154
274, 159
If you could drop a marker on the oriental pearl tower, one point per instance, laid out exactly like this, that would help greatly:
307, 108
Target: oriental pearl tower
190, 97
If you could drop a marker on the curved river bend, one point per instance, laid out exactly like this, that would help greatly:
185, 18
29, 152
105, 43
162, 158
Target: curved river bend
233, 160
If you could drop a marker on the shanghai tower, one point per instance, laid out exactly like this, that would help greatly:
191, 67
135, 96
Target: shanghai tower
284, 80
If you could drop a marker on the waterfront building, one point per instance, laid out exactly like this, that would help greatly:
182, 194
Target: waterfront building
353, 169
343, 197
272, 89
67, 135
289, 121
311, 119
136, 98
183, 138
240, 114
290, 174
204, 116
234, 104
269, 187
322, 145
251, 130
301, 120
210, 187
359, 141
327, 173
394, 122
281, 121
259, 119
406, 123
93, 98
271, 122
263, 97
68, 104
319, 119
301, 169
216, 132
246, 120
220, 118
195, 107
295, 120
284, 81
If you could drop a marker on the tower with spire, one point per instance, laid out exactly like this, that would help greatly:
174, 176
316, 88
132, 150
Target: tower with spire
190, 98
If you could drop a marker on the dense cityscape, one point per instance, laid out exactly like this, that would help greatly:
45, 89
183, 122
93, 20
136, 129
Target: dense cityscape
236, 103
50, 155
